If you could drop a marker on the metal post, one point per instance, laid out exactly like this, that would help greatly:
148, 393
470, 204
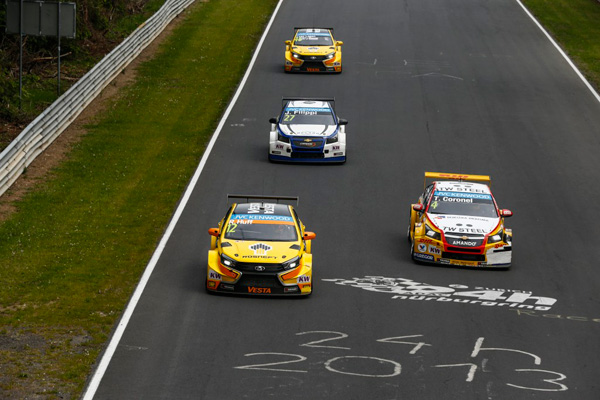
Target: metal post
58, 33
20, 53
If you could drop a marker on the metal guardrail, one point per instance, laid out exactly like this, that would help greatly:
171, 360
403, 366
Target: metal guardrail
39, 134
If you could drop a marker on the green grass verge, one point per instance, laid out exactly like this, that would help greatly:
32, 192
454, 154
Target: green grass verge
73, 253
575, 25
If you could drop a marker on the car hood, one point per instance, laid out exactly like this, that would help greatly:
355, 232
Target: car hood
313, 50
308, 130
260, 251
462, 224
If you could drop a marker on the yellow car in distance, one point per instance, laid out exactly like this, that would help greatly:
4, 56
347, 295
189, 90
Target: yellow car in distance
260, 248
313, 50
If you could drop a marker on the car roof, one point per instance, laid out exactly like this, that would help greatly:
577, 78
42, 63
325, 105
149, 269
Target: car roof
462, 186
262, 209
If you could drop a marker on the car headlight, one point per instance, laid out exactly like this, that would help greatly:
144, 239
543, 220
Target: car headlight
291, 264
296, 55
227, 261
497, 237
431, 233
332, 139
282, 138
330, 56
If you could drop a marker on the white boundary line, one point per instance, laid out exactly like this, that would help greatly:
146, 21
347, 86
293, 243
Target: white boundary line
566, 57
116, 338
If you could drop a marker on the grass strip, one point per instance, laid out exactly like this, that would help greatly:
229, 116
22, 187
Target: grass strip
72, 255
575, 25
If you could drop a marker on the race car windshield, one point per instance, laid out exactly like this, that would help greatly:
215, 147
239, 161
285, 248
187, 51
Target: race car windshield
460, 203
313, 39
279, 228
307, 116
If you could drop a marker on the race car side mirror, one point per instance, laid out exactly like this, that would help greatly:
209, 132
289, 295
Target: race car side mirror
288, 42
214, 232
418, 207
339, 43
343, 121
506, 213
273, 120
309, 235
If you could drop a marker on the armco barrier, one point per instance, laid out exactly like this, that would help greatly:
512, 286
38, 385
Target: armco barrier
38, 135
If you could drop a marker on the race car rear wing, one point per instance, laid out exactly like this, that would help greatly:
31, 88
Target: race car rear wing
331, 100
455, 177
311, 27
277, 199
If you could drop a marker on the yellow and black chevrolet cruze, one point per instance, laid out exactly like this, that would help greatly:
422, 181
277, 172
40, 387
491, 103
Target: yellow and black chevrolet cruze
313, 50
260, 248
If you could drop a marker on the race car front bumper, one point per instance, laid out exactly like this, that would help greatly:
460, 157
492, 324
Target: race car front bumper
427, 250
324, 153
295, 282
309, 65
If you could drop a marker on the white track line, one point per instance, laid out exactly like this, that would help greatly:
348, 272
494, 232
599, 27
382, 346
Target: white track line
585, 81
116, 338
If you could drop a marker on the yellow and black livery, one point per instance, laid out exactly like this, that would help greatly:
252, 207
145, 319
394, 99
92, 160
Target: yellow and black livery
313, 50
260, 247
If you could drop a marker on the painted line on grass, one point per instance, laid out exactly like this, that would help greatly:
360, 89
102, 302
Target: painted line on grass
565, 56
94, 383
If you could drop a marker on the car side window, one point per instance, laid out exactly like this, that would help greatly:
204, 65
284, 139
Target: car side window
427, 194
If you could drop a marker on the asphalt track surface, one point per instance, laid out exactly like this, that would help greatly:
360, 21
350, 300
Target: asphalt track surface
470, 86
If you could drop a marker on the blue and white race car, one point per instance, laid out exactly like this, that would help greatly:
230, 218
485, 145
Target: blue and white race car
308, 130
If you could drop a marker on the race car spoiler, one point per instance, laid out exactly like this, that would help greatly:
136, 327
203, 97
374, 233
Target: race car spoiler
331, 100
311, 27
263, 197
456, 177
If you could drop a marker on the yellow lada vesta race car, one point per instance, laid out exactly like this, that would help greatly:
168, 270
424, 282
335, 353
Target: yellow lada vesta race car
260, 248
313, 50
457, 222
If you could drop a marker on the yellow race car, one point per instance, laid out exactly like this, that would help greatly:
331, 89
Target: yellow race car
457, 222
260, 248
313, 50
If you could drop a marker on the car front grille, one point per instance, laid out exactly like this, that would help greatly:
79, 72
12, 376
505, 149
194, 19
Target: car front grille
251, 267
260, 280
312, 58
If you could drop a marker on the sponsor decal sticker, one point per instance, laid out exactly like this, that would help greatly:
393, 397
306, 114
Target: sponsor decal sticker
469, 243
423, 256
422, 248
260, 249
258, 290
303, 279
479, 196
214, 275
259, 217
434, 250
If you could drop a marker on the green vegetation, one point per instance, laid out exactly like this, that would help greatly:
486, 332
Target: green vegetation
72, 255
100, 26
575, 25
